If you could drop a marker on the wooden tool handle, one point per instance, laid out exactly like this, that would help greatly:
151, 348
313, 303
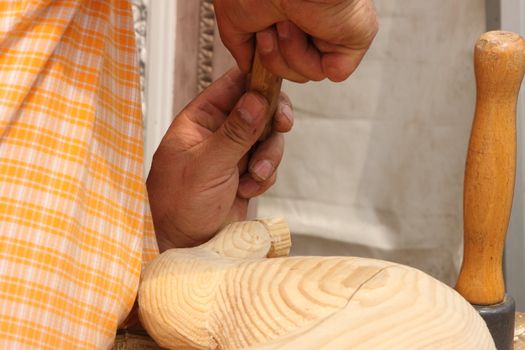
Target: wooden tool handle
499, 62
268, 85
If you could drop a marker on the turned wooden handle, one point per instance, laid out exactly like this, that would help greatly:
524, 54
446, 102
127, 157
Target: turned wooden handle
499, 62
268, 85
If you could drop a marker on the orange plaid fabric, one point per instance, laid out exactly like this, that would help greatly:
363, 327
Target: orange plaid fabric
75, 226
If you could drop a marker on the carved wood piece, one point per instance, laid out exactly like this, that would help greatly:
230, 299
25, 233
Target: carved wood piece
499, 62
226, 294
134, 340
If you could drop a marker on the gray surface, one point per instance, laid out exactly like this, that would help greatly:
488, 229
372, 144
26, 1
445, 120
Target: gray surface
493, 13
513, 19
500, 321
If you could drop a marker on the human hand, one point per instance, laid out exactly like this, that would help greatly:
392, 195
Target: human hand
299, 40
206, 168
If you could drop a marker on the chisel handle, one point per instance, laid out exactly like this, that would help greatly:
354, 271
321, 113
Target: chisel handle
499, 63
268, 85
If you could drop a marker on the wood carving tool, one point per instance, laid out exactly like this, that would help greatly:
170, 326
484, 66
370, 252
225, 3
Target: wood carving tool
268, 85
499, 62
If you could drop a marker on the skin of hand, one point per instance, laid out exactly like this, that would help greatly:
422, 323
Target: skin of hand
209, 163
299, 40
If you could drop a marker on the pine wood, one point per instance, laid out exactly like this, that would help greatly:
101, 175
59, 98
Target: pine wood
519, 332
133, 340
267, 84
226, 294
491, 164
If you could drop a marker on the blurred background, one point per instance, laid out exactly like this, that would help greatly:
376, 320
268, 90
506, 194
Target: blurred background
374, 165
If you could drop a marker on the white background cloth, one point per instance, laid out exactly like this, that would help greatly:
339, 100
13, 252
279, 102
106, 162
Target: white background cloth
374, 166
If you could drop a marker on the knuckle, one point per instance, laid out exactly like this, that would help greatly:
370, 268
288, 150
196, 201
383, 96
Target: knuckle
316, 76
296, 77
260, 103
235, 132
284, 96
271, 181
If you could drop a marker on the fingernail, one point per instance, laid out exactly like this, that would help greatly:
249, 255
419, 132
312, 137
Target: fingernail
265, 41
248, 187
262, 169
250, 106
287, 112
246, 115
283, 29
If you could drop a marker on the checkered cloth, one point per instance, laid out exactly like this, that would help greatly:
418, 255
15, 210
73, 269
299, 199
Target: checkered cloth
75, 226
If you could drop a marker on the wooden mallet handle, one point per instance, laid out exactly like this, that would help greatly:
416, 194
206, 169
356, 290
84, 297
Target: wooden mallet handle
268, 85
499, 62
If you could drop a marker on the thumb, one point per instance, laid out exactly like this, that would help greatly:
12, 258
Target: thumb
239, 132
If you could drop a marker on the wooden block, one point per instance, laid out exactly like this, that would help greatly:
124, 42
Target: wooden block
519, 331
227, 294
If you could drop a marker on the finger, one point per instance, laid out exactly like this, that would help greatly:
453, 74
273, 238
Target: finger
240, 43
241, 48
284, 116
267, 157
339, 62
299, 52
339, 66
271, 58
234, 138
238, 21
249, 188
212, 106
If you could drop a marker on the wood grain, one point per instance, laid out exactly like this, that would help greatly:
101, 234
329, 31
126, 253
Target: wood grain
226, 295
132, 340
499, 61
268, 85
519, 331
